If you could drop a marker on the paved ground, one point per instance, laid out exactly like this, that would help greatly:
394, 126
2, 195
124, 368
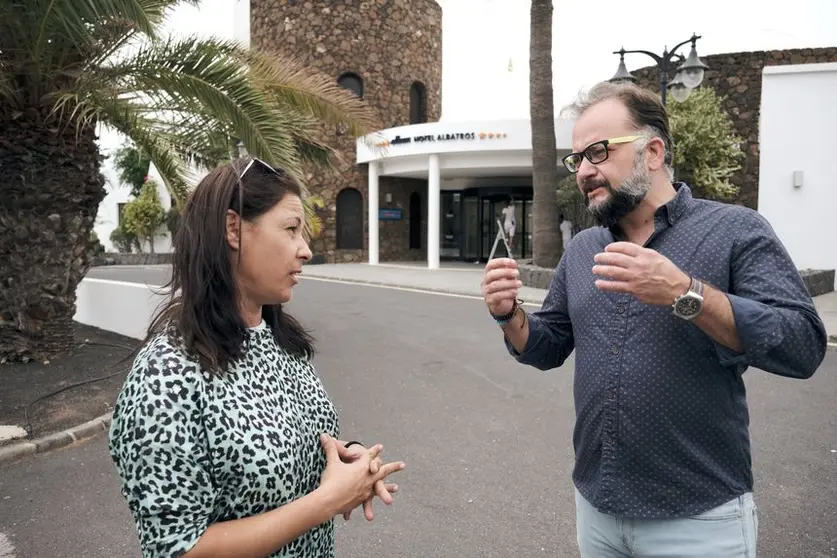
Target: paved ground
487, 443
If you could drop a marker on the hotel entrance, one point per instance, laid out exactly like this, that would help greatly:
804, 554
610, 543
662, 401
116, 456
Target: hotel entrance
469, 223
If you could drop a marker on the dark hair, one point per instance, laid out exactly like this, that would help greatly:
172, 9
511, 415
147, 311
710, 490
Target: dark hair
202, 302
645, 108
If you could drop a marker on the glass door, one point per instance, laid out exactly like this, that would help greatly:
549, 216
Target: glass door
527, 229
473, 236
450, 218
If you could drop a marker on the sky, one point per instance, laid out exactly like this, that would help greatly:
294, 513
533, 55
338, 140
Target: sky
481, 37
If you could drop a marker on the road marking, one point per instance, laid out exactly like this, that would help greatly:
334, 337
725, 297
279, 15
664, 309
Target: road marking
122, 283
424, 268
407, 289
7, 549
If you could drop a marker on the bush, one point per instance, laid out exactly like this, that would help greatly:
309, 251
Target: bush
145, 215
571, 204
132, 165
173, 221
124, 241
96, 246
707, 151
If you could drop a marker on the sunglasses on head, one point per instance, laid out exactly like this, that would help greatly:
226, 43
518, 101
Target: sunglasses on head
254, 161
250, 164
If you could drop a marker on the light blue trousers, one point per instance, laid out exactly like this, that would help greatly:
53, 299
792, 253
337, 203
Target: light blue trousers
728, 531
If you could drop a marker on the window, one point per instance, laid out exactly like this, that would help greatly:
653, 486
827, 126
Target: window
349, 219
418, 103
352, 82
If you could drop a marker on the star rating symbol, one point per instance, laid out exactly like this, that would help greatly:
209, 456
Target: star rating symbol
492, 135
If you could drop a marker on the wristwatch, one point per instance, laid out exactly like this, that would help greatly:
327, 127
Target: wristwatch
689, 304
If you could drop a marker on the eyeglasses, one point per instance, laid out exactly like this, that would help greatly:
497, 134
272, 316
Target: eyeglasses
595, 152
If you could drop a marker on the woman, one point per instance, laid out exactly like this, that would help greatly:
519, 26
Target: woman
223, 435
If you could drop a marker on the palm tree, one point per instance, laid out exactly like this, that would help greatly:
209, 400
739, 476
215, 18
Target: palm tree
546, 234
69, 66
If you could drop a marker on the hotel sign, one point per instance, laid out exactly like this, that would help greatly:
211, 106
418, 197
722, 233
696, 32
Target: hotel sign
398, 140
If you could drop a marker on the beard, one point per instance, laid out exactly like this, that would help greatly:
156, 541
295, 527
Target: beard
622, 200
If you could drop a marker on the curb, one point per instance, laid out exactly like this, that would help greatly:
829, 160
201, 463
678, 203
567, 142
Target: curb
400, 286
14, 452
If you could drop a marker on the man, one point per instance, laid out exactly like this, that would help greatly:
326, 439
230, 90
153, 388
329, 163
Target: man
666, 304
509, 222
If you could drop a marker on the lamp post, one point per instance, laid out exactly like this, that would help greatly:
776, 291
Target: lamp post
688, 76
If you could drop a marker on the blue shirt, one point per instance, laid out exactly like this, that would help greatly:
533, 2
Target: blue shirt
661, 411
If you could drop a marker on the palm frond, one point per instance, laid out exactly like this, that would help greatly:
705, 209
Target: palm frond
313, 221
293, 85
204, 79
149, 136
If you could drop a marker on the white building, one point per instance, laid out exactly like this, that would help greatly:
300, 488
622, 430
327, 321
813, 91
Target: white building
473, 169
797, 187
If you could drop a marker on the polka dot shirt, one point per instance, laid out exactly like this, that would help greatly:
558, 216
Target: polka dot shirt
661, 411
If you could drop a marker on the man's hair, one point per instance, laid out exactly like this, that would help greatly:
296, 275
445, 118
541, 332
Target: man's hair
645, 108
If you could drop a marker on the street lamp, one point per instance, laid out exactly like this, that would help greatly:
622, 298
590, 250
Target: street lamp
688, 76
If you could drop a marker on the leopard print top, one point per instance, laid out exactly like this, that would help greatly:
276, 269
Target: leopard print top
192, 450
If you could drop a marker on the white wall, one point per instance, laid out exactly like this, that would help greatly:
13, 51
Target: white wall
126, 308
798, 120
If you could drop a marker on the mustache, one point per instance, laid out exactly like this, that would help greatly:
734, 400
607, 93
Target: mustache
590, 184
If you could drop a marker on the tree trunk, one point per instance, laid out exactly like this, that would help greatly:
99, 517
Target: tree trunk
546, 234
50, 190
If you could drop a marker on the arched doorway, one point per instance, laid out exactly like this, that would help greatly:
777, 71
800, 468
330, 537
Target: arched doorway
415, 221
349, 220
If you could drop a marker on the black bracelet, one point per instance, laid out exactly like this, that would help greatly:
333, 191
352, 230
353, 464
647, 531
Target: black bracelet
503, 320
352, 443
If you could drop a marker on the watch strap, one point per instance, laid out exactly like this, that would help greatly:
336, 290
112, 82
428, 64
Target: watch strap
696, 286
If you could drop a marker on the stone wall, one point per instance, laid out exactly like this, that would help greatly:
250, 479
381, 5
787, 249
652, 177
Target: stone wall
390, 44
818, 281
737, 76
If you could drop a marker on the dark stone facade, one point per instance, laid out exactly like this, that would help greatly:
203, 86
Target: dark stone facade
390, 44
737, 76
394, 236
534, 276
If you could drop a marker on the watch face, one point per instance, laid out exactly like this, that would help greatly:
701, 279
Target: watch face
688, 306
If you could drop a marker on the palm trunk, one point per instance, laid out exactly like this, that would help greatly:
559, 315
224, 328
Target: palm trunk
546, 234
51, 188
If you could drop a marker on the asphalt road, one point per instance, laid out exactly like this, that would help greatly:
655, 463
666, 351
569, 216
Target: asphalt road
487, 444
